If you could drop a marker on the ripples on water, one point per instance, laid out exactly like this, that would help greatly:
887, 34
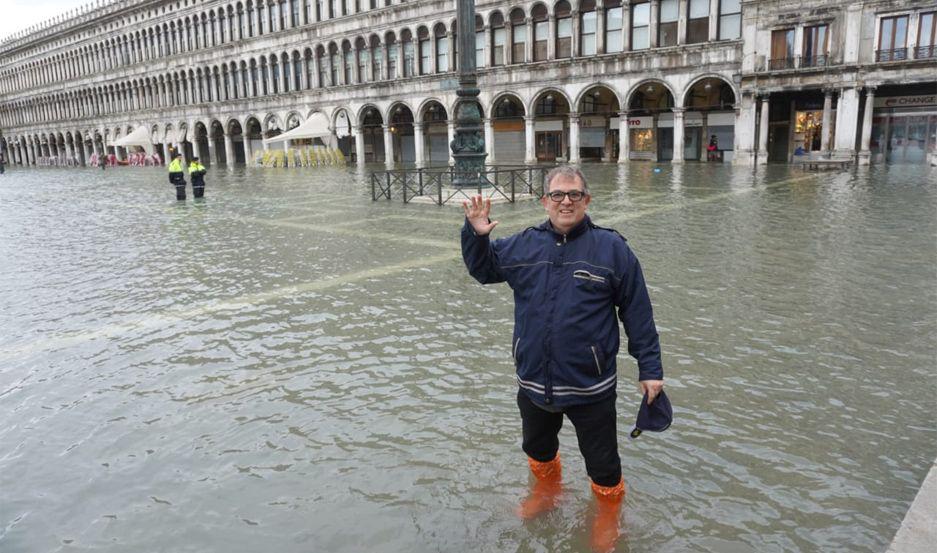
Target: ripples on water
288, 366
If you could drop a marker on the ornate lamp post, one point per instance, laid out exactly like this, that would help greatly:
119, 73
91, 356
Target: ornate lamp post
468, 146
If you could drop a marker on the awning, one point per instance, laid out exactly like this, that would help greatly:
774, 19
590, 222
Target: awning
317, 126
139, 137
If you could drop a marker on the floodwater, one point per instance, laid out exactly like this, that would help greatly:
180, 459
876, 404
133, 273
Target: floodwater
288, 366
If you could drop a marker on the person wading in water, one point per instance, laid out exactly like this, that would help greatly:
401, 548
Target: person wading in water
569, 277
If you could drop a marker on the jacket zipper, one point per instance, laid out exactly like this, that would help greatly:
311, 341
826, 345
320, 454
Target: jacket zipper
595, 356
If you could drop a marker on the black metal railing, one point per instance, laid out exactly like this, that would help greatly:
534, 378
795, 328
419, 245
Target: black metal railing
924, 52
436, 183
898, 54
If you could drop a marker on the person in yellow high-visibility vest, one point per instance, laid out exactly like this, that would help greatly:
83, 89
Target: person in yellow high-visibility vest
197, 172
177, 177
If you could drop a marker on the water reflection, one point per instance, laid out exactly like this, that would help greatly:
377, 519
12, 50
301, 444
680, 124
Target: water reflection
270, 367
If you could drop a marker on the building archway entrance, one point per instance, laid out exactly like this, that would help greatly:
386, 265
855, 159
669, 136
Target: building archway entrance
507, 130
373, 135
402, 135
650, 122
435, 135
709, 121
551, 138
598, 124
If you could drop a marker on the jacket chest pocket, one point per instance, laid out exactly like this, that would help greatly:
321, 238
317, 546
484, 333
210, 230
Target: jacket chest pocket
590, 283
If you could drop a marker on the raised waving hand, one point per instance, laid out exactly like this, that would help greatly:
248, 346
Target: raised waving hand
477, 213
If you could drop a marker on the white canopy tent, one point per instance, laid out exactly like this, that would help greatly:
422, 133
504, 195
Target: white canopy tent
139, 137
317, 126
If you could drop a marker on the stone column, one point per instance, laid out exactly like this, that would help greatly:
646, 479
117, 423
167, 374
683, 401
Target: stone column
418, 145
763, 132
530, 151
825, 134
678, 135
228, 151
401, 60
490, 141
847, 118
599, 27
625, 27
359, 145
508, 43
88, 152
450, 127
654, 23
450, 40
528, 46
577, 31
166, 158
388, 147
248, 152
551, 40
574, 137
356, 69
683, 14
624, 137
713, 20
865, 152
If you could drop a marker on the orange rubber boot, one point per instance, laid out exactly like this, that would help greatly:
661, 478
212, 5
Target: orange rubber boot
605, 527
546, 490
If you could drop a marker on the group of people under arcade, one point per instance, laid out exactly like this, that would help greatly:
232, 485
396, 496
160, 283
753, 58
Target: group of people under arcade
177, 177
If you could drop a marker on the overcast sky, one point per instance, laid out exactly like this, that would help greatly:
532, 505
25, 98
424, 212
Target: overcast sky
16, 15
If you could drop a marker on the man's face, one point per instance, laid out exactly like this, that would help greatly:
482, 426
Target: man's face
566, 214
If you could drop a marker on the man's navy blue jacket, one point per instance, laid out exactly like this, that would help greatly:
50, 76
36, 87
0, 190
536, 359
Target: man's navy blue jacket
566, 290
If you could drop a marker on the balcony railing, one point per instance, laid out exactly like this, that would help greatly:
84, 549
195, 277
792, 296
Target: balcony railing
924, 52
898, 54
815, 61
780, 64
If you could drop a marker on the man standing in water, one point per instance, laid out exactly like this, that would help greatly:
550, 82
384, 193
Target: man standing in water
177, 177
569, 276
197, 173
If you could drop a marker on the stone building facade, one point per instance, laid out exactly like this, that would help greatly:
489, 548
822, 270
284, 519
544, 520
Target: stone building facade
571, 80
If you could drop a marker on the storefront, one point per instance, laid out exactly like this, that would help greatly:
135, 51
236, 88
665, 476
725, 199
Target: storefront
904, 128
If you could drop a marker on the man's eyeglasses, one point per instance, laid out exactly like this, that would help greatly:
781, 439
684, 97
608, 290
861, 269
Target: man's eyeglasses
574, 195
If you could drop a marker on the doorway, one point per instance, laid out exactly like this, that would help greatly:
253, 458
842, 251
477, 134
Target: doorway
549, 145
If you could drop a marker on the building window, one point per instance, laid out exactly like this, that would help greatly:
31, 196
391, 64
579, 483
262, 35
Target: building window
274, 74
697, 26
442, 52
391, 60
893, 38
377, 61
497, 40
295, 12
640, 23
782, 49
364, 60
334, 65
730, 19
564, 30
613, 22
349, 66
408, 58
815, 46
667, 30
323, 69
927, 36
519, 32
479, 42
425, 52
587, 28
541, 32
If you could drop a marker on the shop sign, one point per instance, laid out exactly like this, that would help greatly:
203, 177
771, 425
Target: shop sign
592, 121
645, 122
906, 101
